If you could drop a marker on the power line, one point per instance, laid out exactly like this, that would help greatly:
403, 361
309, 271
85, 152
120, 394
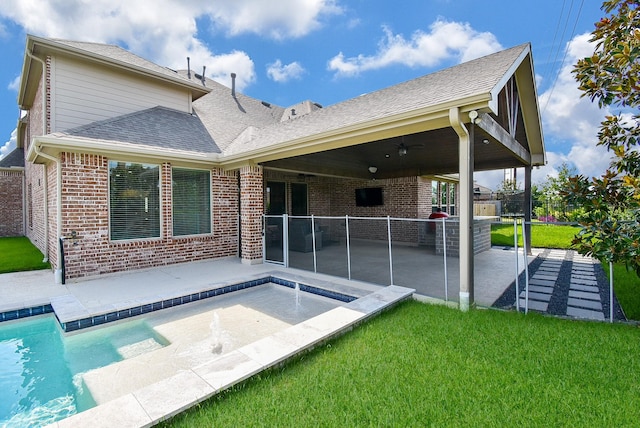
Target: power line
564, 57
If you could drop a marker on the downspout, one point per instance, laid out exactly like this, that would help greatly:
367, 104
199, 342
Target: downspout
58, 270
465, 165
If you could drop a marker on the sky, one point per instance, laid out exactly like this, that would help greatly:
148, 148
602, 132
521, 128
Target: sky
328, 51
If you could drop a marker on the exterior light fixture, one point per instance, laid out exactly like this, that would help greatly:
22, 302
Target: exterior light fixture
373, 169
485, 141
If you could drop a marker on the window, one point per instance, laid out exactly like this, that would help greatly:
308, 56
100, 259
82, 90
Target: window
134, 200
275, 200
191, 202
443, 196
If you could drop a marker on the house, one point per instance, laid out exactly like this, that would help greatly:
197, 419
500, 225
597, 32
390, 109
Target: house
130, 165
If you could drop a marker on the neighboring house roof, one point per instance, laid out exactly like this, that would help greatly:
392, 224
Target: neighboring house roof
14, 159
154, 127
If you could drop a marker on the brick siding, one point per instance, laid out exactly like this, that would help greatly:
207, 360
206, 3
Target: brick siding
251, 209
88, 249
11, 211
408, 197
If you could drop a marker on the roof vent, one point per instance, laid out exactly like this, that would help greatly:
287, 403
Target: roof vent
293, 112
203, 78
266, 104
188, 67
233, 85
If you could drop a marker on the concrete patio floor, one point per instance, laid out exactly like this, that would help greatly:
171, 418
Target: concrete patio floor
413, 267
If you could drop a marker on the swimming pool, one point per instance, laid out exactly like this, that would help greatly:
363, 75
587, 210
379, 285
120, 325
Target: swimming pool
51, 375
40, 379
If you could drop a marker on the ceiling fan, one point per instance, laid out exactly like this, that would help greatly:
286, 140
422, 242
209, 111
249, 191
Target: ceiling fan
403, 148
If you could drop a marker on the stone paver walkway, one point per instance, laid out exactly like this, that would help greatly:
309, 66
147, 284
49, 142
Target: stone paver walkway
564, 283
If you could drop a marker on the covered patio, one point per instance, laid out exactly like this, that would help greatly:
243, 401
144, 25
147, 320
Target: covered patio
476, 116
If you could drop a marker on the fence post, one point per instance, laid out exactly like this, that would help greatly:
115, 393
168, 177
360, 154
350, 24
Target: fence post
515, 246
611, 291
313, 242
526, 269
390, 255
264, 238
346, 223
444, 252
285, 239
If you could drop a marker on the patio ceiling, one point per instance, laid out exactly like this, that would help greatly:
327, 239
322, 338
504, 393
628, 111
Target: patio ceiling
427, 153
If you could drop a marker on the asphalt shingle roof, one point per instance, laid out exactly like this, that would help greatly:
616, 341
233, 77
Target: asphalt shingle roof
13, 159
465, 80
156, 127
234, 124
226, 117
118, 54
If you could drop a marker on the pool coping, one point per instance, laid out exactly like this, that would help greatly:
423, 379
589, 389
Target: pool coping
159, 401
72, 315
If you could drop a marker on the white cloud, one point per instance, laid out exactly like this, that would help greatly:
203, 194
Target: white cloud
10, 145
165, 31
570, 123
283, 73
14, 85
445, 40
573, 121
279, 19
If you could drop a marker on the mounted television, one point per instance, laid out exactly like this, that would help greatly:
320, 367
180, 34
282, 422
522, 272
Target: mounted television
369, 197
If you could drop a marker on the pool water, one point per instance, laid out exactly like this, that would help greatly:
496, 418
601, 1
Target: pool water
38, 387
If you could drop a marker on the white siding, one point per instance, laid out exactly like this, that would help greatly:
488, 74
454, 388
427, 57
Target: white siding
82, 93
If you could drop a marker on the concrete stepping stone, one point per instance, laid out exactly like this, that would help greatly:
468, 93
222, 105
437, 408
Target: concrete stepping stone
547, 277
584, 295
542, 282
584, 313
581, 303
593, 282
587, 277
537, 296
588, 288
540, 289
535, 305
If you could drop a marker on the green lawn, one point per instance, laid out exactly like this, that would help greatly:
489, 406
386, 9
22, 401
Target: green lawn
626, 286
19, 254
542, 235
422, 365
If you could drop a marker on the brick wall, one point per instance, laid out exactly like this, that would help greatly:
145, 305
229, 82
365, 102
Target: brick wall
86, 213
11, 211
251, 210
481, 237
408, 197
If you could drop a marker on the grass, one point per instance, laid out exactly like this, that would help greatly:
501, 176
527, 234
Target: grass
626, 286
19, 254
421, 365
542, 235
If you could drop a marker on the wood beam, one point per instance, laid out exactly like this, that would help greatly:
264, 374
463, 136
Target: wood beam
491, 127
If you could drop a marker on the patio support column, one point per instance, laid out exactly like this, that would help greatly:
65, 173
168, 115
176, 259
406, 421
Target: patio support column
251, 210
465, 165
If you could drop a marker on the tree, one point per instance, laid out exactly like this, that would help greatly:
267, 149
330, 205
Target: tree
550, 203
610, 77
